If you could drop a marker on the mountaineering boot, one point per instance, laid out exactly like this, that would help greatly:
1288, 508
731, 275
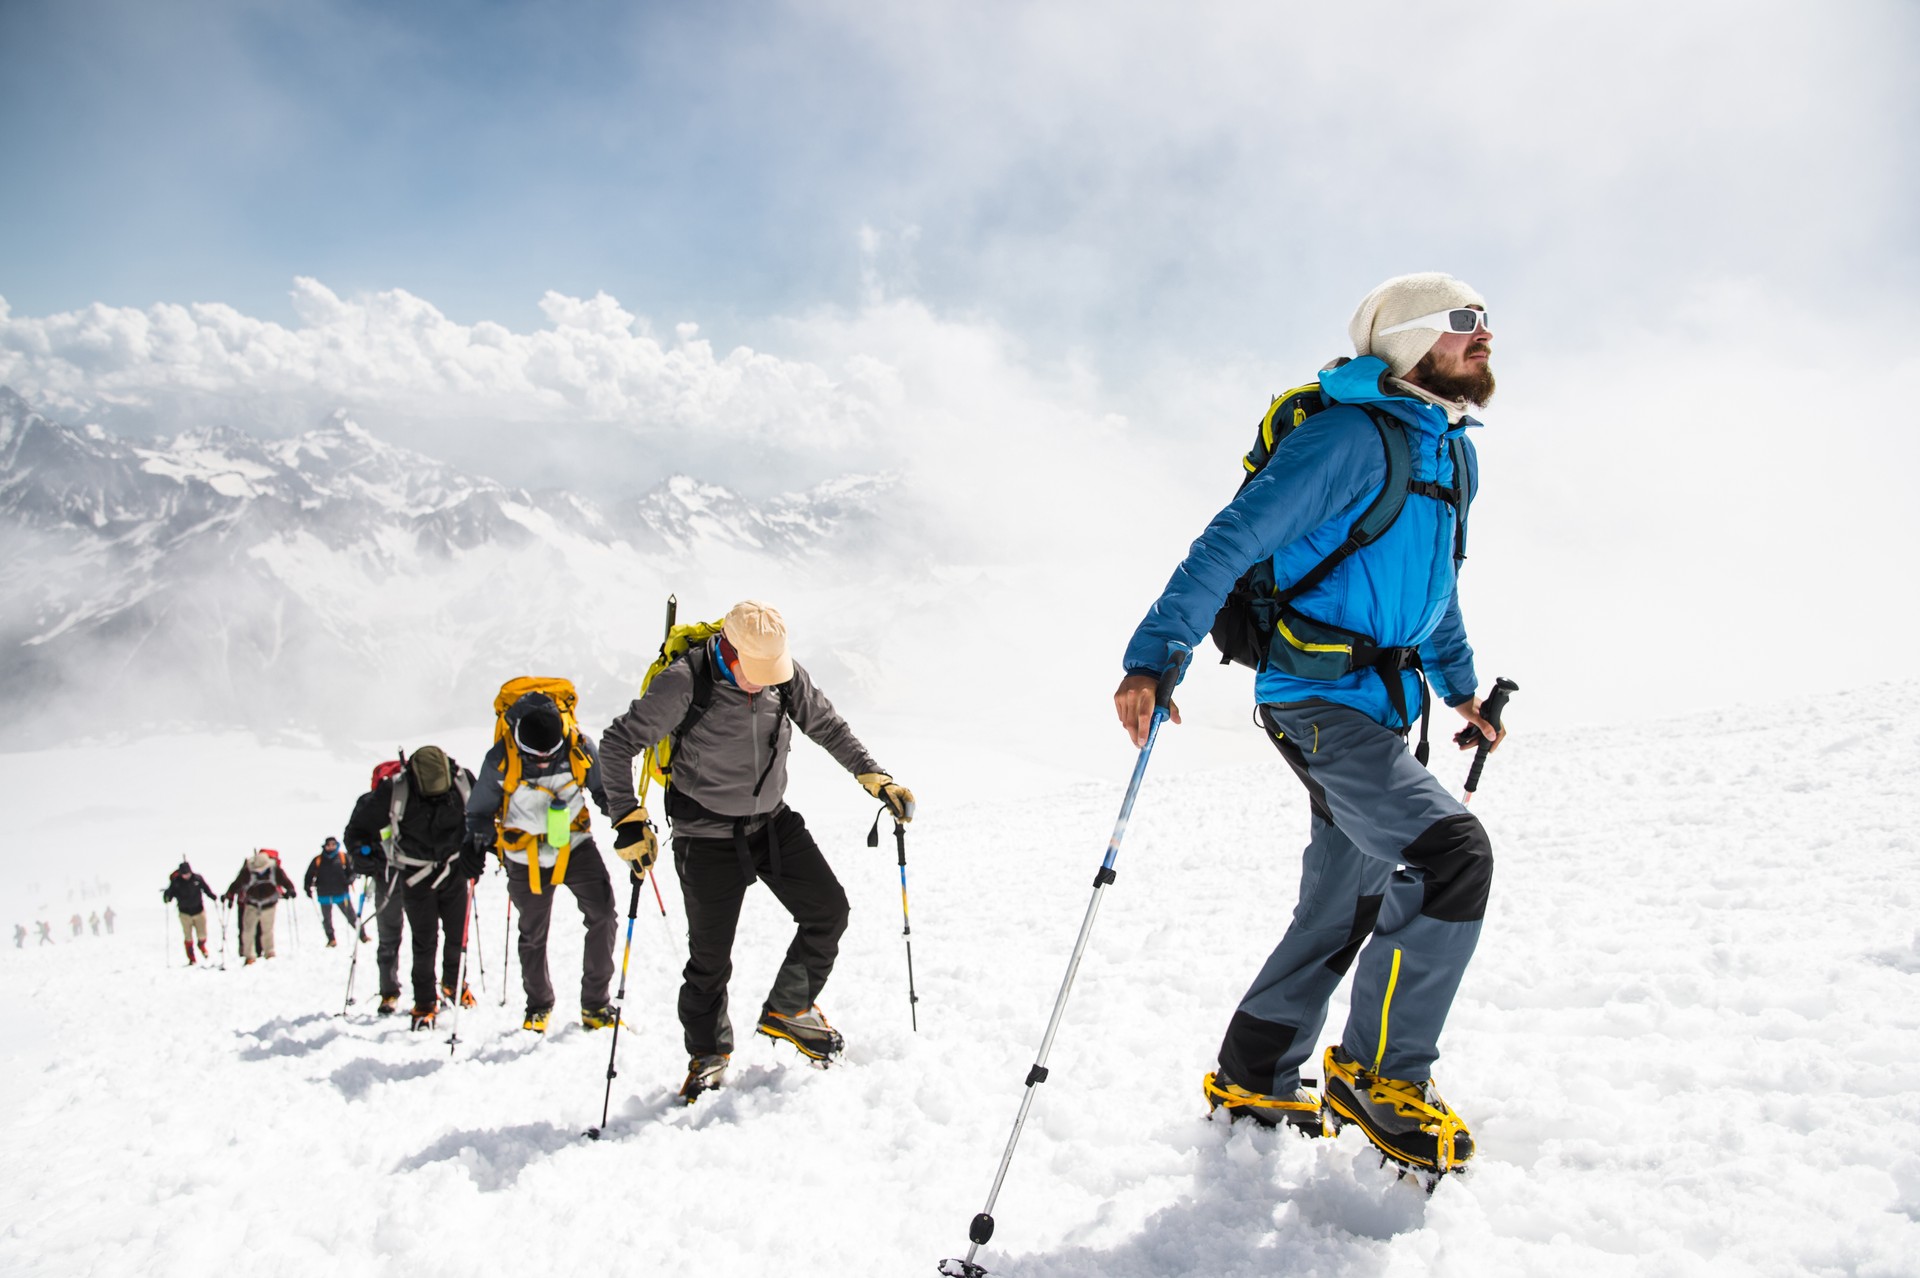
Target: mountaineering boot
364, 938
601, 1017
331, 942
203, 950
389, 1004
466, 995
190, 959
250, 962
537, 1019
1407, 1122
818, 1041
704, 1074
423, 1017
1300, 1110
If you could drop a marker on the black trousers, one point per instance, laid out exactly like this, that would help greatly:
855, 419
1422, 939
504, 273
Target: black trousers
593, 893
714, 883
436, 912
389, 911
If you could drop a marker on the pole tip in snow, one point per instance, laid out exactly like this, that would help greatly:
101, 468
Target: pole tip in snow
962, 1269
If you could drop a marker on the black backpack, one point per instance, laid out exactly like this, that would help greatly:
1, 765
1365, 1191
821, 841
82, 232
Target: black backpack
1257, 625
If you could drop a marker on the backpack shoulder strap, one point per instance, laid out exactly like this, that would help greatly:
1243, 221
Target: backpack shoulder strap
397, 803
700, 665
1377, 517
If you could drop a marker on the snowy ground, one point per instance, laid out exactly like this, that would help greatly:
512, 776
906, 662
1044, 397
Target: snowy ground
1690, 1043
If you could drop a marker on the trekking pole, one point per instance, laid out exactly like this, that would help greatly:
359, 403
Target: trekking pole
460, 974
1490, 710
619, 1001
353, 968
633, 911
506, 949
981, 1230
223, 934
906, 926
473, 908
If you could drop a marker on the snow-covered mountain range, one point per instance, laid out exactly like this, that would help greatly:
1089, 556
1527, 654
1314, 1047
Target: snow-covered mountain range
336, 581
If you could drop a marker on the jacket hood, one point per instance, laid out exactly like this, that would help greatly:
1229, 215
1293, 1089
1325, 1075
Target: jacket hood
536, 725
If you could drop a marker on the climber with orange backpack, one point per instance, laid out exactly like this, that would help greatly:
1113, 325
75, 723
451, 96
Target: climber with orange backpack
529, 807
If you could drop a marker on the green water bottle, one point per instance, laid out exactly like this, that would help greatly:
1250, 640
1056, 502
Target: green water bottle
559, 825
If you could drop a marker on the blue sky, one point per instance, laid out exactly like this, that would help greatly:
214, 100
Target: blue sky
1116, 178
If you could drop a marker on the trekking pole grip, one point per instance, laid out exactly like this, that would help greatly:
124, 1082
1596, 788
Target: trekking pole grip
1490, 710
1170, 677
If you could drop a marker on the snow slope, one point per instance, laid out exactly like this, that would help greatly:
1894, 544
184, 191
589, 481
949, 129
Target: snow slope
1690, 1043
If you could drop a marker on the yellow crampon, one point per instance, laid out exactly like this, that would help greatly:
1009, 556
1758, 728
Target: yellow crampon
1231, 1096
561, 693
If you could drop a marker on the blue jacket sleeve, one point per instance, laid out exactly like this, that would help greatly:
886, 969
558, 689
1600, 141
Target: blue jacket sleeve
1316, 472
1448, 657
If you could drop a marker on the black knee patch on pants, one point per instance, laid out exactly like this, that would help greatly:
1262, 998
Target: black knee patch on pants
1366, 912
1251, 1051
1458, 860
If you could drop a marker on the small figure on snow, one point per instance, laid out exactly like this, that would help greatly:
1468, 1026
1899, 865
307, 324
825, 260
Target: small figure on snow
19, 936
77, 923
731, 704
106, 916
259, 888
189, 894
331, 874
93, 921
46, 932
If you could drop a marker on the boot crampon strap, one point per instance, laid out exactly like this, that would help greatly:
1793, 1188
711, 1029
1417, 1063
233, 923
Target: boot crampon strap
1302, 1109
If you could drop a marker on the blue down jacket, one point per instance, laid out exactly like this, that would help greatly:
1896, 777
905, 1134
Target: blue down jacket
1401, 590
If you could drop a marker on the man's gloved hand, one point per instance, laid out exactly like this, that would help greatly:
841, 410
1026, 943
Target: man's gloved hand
309, 894
636, 841
473, 859
898, 798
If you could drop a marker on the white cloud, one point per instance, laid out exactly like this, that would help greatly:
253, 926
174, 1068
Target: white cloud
594, 363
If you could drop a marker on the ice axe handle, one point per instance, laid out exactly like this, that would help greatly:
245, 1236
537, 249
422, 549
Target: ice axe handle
1490, 710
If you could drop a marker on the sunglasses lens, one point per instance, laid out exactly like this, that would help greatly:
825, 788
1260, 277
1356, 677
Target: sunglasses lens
1464, 320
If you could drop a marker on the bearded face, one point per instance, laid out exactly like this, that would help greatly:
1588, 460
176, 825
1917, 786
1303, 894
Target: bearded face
1458, 370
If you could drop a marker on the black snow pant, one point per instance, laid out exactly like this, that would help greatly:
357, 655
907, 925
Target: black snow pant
436, 910
714, 877
593, 893
389, 912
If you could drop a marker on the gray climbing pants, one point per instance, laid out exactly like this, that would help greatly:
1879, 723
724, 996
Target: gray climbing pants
1396, 873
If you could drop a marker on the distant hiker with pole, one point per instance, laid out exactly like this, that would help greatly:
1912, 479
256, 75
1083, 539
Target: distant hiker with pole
728, 707
1351, 525
106, 916
529, 805
189, 894
423, 805
259, 888
20, 936
331, 874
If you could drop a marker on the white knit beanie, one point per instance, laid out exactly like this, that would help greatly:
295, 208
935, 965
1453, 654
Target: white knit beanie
1400, 299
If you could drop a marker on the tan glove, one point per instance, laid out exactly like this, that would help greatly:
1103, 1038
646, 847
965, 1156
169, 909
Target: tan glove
635, 840
898, 798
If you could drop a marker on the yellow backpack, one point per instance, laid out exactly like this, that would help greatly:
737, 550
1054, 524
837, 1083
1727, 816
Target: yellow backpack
565, 699
679, 642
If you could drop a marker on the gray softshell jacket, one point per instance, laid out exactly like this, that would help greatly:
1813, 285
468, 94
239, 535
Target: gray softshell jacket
724, 753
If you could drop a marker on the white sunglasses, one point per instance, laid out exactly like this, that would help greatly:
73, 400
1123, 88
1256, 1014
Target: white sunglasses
1461, 319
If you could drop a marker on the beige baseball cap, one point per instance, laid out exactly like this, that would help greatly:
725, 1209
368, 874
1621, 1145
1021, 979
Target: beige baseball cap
758, 634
